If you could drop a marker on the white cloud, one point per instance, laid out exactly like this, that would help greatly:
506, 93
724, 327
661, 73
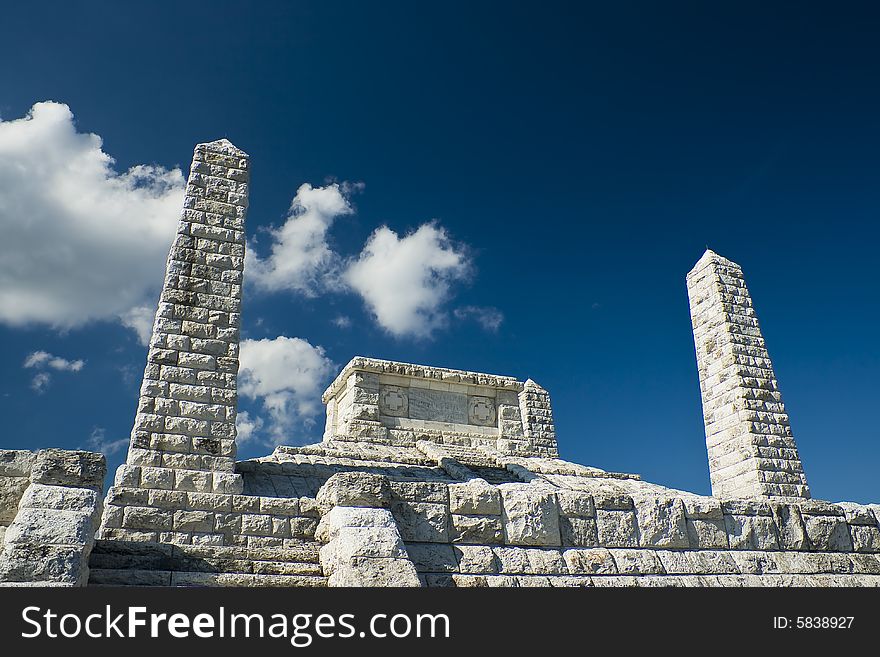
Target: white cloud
342, 321
488, 317
43, 360
40, 382
81, 242
39, 359
300, 258
405, 281
287, 376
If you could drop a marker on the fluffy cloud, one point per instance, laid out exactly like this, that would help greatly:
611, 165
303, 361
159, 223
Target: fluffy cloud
99, 442
405, 281
81, 242
300, 258
286, 376
486, 316
42, 361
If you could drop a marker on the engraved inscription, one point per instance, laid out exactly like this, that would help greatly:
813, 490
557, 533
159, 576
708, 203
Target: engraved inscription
393, 401
481, 410
438, 406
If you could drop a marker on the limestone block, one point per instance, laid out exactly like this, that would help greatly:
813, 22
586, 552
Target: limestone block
16, 462
422, 521
857, 514
751, 532
476, 559
697, 562
11, 491
350, 542
530, 515
617, 528
828, 533
706, 534
355, 489
193, 521
366, 571
575, 503
792, 532
546, 562
61, 467
474, 497
51, 527
484, 530
28, 562
661, 522
432, 557
702, 508
864, 538
136, 517
341, 516
597, 561
578, 532
422, 491
637, 562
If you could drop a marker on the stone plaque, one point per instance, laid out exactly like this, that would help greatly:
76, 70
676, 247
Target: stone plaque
438, 406
481, 411
393, 401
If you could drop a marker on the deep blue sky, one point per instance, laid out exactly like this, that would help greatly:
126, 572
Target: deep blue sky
586, 152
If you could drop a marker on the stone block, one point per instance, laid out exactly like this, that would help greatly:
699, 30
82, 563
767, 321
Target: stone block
52, 527
421, 521
43, 563
11, 491
355, 489
16, 462
828, 533
578, 532
637, 562
596, 561
617, 528
59, 467
370, 572
661, 522
530, 515
474, 497
575, 503
865, 538
475, 559
484, 530
707, 534
754, 532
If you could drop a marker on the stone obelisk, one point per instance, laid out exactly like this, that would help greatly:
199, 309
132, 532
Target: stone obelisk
183, 438
752, 452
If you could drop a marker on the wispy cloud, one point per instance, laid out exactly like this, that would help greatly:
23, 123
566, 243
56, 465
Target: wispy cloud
342, 321
488, 317
43, 361
97, 441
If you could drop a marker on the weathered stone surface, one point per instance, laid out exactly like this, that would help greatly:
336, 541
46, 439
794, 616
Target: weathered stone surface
617, 528
865, 539
637, 562
578, 532
483, 530
707, 534
422, 521
352, 517
828, 533
661, 522
476, 559
432, 557
28, 562
531, 515
751, 532
474, 497
596, 561
366, 571
11, 491
62, 498
61, 467
16, 463
575, 503
51, 527
355, 489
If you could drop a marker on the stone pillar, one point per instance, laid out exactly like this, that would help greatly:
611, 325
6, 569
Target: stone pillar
752, 452
537, 419
184, 431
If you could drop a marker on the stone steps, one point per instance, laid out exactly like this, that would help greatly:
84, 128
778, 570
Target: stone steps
122, 563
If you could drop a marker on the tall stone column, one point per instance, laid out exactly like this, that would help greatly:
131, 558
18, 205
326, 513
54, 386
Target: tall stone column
752, 452
184, 431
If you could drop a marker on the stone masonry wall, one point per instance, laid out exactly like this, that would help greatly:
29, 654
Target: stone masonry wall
752, 452
52, 528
